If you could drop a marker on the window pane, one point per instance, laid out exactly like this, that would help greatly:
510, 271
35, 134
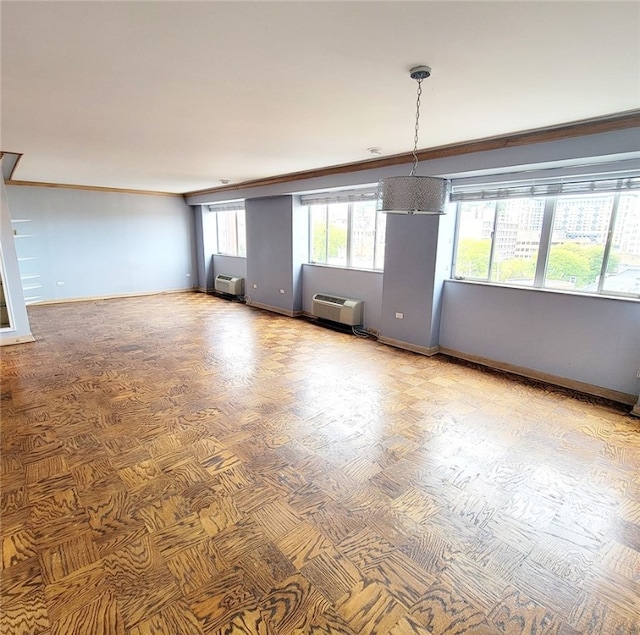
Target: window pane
318, 227
232, 235
474, 239
381, 231
580, 227
517, 240
226, 232
242, 233
338, 225
623, 267
363, 234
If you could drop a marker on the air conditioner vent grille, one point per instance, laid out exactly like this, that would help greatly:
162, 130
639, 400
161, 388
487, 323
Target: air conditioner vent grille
330, 298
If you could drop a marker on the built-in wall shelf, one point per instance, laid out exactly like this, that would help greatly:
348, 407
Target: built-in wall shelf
28, 265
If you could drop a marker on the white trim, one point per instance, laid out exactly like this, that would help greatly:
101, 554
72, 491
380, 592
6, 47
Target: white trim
18, 339
583, 294
133, 294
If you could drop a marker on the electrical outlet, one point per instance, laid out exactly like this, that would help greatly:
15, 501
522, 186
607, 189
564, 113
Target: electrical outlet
399, 316
254, 285
60, 283
282, 291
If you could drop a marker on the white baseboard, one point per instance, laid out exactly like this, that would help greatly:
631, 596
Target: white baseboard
10, 340
93, 298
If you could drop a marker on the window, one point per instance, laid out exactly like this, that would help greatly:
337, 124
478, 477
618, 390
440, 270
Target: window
574, 237
499, 240
346, 233
578, 239
230, 230
622, 274
329, 229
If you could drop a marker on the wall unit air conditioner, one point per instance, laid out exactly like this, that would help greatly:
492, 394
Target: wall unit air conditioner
337, 309
229, 285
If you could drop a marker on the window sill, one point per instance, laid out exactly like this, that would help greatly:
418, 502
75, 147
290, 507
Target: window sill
582, 294
342, 268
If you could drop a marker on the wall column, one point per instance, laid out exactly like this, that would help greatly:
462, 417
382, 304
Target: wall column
418, 254
275, 227
205, 247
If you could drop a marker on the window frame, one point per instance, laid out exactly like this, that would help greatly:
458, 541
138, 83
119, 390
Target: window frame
544, 248
378, 216
235, 210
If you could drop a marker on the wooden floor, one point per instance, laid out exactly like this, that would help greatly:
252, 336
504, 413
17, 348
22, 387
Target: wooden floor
182, 464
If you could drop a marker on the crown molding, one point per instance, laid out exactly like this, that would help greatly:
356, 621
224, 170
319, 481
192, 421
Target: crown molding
91, 188
609, 123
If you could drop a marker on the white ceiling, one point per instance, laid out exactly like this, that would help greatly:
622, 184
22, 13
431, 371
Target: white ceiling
175, 96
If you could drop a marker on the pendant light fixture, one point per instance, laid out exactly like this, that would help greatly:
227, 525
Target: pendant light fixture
414, 194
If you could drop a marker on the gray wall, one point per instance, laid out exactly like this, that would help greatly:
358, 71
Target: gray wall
270, 253
442, 269
229, 265
299, 250
409, 279
205, 244
348, 283
101, 244
594, 340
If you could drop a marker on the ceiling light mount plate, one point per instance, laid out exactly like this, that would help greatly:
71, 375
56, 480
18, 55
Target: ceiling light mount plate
420, 72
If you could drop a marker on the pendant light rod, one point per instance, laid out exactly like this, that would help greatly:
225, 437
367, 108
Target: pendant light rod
418, 73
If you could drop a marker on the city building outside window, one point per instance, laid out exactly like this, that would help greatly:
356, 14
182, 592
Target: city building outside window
583, 242
347, 234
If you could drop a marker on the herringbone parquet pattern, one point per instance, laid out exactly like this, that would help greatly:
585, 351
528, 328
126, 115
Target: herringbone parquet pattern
185, 465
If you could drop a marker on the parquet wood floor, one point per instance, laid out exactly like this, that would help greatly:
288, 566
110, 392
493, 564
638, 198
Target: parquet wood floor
185, 465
